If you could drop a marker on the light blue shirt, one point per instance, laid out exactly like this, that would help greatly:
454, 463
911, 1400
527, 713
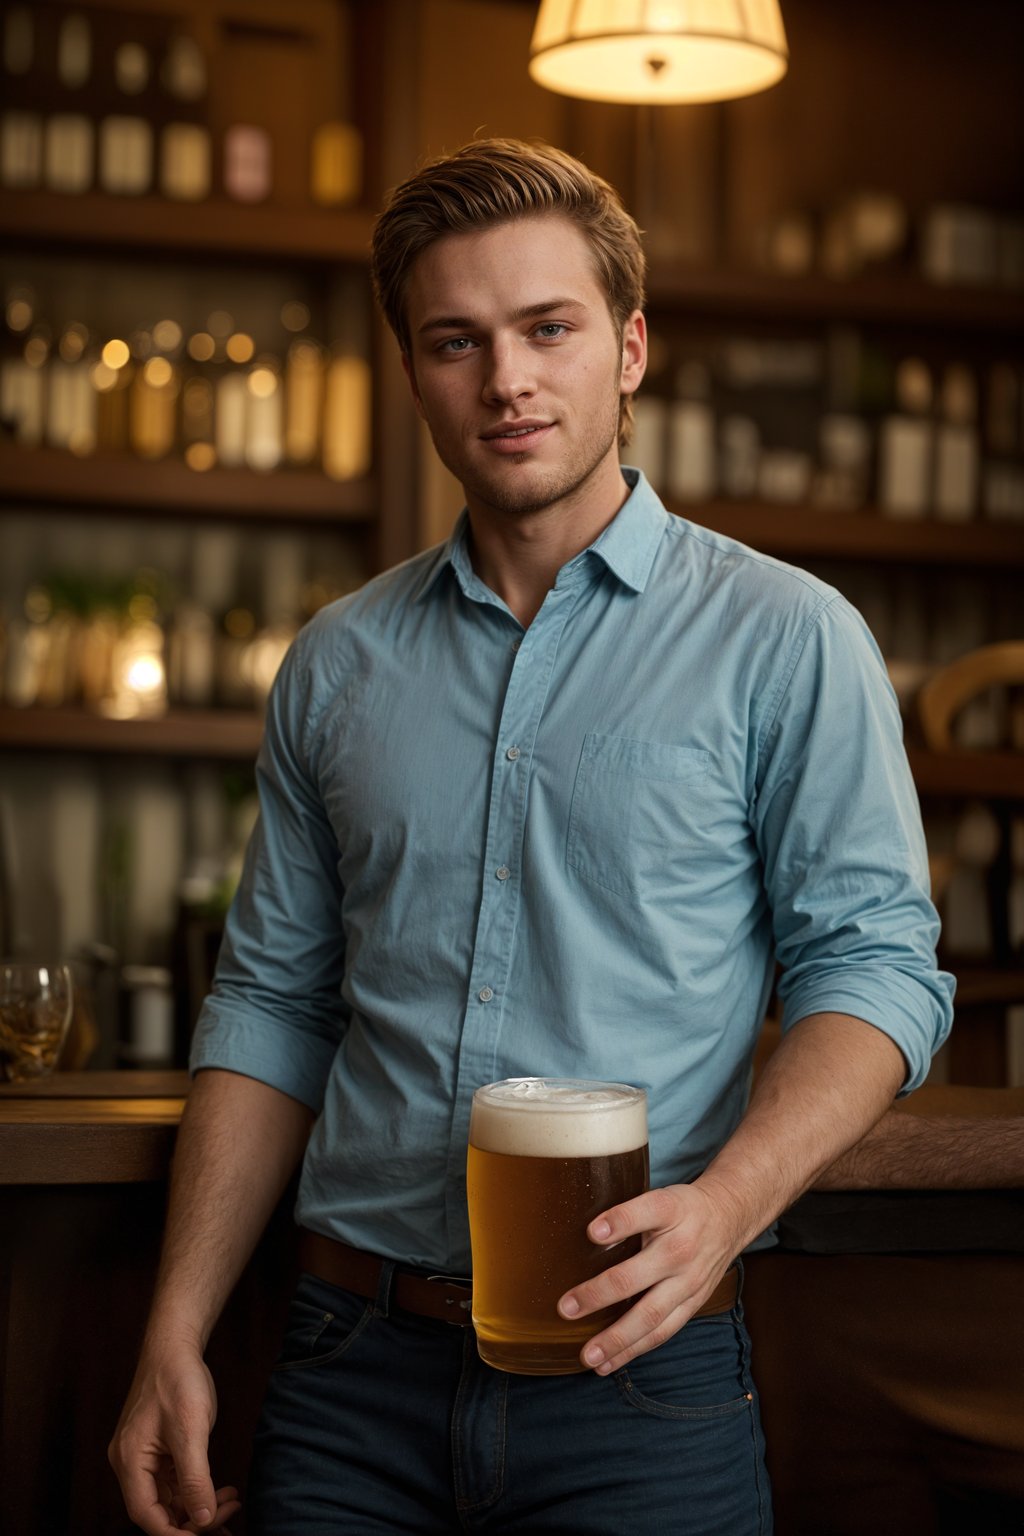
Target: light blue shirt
575, 850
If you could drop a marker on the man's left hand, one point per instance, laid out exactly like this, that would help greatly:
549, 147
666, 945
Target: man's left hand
686, 1251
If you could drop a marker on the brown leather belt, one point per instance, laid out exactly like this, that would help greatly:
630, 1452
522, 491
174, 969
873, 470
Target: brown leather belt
446, 1297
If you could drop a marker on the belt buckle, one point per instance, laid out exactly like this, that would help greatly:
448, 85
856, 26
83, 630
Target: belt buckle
463, 1303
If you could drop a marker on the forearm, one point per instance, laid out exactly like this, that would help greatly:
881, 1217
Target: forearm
826, 1085
908, 1151
238, 1145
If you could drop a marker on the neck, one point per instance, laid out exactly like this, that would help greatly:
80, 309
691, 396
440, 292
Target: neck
519, 555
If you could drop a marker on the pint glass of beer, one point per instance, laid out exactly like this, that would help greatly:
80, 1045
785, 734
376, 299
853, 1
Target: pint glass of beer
547, 1155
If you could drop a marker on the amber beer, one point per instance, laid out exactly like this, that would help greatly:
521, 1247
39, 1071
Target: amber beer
547, 1155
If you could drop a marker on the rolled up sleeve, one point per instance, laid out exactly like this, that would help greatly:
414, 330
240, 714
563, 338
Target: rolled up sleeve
275, 1011
839, 830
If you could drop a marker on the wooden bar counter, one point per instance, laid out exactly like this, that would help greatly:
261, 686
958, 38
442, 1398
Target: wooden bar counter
84, 1162
90, 1127
887, 1328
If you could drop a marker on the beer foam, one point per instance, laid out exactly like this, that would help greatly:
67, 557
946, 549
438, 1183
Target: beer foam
558, 1117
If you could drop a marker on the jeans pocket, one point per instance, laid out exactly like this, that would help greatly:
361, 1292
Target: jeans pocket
323, 1322
700, 1373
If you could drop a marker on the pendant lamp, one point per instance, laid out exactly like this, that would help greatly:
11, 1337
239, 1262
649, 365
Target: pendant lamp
658, 51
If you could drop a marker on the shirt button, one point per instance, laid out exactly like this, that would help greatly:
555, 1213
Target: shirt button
512, 754
515, 646
503, 873
485, 994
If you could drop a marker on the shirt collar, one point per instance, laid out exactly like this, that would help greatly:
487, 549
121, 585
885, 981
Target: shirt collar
630, 542
627, 546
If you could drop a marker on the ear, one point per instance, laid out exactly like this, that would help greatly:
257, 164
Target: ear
634, 353
411, 376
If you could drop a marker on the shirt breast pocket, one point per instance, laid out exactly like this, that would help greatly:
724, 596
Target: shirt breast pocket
636, 806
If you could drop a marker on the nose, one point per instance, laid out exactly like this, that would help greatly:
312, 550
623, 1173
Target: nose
508, 375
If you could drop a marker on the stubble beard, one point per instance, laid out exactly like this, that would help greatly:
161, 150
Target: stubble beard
563, 483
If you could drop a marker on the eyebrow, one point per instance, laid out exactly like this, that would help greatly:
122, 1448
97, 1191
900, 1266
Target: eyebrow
525, 312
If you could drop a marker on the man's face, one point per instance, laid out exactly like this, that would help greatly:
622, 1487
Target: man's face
515, 364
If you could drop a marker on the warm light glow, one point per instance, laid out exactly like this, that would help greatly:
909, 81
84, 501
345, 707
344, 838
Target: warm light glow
167, 335
37, 350
294, 315
73, 341
262, 383
19, 314
219, 323
658, 51
158, 372
200, 456
103, 378
145, 675
201, 346
116, 354
240, 347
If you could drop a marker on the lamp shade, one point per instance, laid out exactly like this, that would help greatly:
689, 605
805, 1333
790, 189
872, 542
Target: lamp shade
658, 51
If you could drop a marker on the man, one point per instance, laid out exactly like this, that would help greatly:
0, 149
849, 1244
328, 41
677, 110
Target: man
552, 799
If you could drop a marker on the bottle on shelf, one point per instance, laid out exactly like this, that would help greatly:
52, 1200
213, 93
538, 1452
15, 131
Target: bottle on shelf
956, 447
336, 177
155, 391
247, 163
126, 155
69, 153
112, 376
650, 428
1003, 475
146, 1037
21, 149
71, 398
18, 40
691, 472
264, 425
739, 456
347, 415
186, 150
906, 444
22, 379
185, 162
74, 51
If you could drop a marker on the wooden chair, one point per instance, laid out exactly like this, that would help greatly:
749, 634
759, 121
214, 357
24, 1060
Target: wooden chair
947, 691
979, 1047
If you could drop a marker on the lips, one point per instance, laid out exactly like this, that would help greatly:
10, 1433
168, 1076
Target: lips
517, 436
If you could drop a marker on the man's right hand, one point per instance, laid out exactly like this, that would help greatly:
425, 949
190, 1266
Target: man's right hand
160, 1447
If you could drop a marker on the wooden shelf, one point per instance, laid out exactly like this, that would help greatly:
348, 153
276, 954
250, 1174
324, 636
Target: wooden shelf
50, 477
216, 228
963, 775
899, 299
806, 532
232, 735
979, 985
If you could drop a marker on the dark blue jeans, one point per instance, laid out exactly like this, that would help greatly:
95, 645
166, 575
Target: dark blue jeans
379, 1421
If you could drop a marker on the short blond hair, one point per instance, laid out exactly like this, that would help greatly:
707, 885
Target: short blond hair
495, 181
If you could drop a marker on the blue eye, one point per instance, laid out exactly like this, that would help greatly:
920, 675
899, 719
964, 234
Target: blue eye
551, 329
456, 344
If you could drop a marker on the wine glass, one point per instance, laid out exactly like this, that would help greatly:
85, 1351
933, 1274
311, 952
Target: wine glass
35, 1011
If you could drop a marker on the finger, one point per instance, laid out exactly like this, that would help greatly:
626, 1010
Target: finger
644, 1327
195, 1485
612, 1286
644, 1213
228, 1504
142, 1500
